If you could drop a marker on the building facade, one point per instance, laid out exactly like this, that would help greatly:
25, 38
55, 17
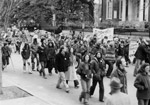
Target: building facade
126, 10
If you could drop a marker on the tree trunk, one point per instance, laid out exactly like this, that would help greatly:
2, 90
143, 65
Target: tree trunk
91, 12
1, 92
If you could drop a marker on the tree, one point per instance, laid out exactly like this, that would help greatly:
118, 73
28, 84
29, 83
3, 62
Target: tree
7, 8
17, 11
1, 69
1, 5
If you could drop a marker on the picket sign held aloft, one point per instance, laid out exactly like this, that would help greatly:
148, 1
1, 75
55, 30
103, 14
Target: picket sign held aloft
109, 32
132, 49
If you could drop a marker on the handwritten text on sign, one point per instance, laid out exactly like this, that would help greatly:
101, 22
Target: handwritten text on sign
109, 32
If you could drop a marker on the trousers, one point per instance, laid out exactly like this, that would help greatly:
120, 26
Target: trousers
101, 88
62, 79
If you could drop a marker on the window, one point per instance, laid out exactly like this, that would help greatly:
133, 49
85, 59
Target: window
120, 8
109, 9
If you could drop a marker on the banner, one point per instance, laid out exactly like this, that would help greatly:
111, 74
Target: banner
109, 32
132, 49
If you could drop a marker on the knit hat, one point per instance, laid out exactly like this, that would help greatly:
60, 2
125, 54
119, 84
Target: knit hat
115, 83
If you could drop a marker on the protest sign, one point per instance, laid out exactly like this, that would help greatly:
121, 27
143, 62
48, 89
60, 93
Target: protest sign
132, 49
109, 32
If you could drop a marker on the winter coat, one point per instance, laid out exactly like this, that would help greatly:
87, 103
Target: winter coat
142, 83
62, 62
141, 52
51, 53
126, 50
98, 67
6, 51
25, 53
34, 48
84, 71
121, 51
123, 79
110, 54
71, 73
42, 51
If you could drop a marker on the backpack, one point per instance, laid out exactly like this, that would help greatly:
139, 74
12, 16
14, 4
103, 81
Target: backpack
25, 53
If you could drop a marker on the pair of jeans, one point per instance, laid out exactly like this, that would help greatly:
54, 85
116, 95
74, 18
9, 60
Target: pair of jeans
143, 101
86, 89
26, 65
51, 65
42, 71
5, 60
110, 67
33, 57
101, 88
62, 79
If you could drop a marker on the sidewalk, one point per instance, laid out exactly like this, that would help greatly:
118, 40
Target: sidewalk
44, 90
31, 100
24, 101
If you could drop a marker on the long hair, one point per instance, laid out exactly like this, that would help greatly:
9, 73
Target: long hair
35, 41
100, 54
142, 68
61, 49
83, 59
52, 44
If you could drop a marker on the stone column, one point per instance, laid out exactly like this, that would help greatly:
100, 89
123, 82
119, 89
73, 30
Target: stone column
124, 11
130, 12
146, 9
141, 10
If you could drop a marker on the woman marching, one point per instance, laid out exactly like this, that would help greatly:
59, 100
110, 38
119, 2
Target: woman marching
25, 53
51, 57
71, 73
86, 76
98, 69
142, 83
42, 51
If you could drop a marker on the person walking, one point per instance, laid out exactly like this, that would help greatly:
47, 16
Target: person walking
25, 53
116, 97
71, 74
140, 55
86, 76
34, 54
142, 83
62, 63
98, 69
42, 51
51, 57
120, 73
110, 59
6, 53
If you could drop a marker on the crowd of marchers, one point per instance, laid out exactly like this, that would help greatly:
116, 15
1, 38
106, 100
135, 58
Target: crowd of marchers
92, 60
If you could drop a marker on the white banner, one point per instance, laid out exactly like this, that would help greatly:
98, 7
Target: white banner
109, 32
132, 49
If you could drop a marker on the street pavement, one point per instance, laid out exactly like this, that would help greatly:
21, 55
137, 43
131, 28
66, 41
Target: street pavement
44, 90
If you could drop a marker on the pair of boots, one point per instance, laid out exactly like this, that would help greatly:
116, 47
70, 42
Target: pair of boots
85, 96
